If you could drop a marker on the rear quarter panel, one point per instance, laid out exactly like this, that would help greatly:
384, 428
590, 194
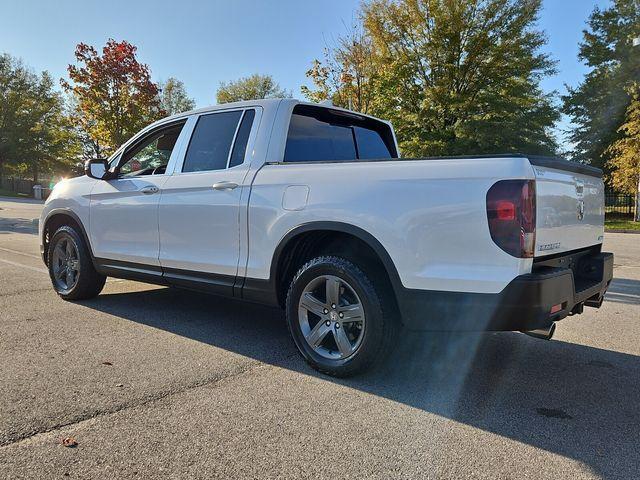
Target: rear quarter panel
429, 215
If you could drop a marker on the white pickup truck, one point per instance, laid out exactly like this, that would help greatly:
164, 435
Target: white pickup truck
311, 208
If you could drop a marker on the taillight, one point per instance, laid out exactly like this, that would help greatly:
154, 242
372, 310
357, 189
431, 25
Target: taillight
511, 210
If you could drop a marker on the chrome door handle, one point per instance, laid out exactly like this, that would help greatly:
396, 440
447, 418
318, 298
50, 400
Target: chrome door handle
149, 190
224, 186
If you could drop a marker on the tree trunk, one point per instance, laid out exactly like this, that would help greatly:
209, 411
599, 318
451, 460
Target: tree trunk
35, 173
637, 215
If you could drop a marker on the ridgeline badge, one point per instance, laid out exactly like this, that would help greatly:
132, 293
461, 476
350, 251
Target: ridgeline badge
548, 246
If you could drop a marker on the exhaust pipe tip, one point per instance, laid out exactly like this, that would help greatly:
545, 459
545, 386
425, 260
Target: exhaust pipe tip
542, 333
596, 303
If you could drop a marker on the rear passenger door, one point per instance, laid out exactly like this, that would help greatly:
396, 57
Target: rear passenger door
200, 204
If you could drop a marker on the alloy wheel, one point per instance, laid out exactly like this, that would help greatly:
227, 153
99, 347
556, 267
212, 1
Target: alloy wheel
66, 264
331, 317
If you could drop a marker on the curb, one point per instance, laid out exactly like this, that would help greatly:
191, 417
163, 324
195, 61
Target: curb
21, 198
621, 231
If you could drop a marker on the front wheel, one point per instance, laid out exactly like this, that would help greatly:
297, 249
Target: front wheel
70, 267
338, 320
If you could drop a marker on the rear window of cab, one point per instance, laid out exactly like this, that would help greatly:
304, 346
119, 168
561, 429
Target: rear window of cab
318, 134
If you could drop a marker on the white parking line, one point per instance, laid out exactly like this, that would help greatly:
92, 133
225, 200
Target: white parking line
29, 267
17, 252
40, 270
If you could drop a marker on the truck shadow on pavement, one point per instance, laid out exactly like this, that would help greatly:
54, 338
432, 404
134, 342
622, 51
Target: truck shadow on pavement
572, 400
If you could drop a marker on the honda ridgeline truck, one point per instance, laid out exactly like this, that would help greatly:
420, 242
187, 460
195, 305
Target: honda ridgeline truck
310, 208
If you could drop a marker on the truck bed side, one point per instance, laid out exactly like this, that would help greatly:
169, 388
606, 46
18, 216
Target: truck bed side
429, 215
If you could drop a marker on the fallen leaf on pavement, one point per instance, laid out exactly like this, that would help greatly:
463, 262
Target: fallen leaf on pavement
69, 442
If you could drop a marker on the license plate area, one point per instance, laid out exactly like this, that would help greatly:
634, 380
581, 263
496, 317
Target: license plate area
586, 265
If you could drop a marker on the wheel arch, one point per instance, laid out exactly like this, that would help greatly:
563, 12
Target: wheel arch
289, 246
54, 220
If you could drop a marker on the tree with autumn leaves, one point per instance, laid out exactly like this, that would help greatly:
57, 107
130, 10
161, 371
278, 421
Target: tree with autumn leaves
113, 94
454, 77
597, 106
110, 97
624, 153
605, 106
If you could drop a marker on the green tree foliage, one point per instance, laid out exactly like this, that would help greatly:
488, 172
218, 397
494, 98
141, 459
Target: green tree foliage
250, 88
454, 76
597, 106
624, 153
174, 98
35, 134
113, 94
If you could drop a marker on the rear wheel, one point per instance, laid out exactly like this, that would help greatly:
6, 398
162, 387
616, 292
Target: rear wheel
70, 267
339, 322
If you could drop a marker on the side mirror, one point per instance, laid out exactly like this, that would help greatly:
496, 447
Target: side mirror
96, 168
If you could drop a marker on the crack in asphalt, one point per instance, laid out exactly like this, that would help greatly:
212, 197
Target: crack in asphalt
146, 400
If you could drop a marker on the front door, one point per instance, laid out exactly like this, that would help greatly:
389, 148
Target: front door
124, 210
200, 204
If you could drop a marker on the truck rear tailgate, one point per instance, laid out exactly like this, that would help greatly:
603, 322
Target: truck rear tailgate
569, 205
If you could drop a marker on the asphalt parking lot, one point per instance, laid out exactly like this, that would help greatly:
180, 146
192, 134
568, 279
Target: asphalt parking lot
154, 382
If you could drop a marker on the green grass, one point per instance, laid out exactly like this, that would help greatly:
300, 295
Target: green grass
9, 193
621, 224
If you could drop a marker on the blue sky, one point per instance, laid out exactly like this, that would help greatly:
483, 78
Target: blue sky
205, 42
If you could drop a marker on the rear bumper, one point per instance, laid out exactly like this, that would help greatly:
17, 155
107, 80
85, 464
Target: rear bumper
524, 304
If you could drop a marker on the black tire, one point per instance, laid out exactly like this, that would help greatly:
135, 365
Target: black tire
380, 329
88, 282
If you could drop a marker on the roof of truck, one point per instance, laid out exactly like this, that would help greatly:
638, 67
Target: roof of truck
265, 102
268, 103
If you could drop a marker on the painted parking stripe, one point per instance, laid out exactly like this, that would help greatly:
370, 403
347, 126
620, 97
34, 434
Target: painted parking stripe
17, 252
43, 270
28, 267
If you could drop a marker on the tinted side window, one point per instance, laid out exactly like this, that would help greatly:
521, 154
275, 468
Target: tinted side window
370, 144
211, 141
311, 139
242, 137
